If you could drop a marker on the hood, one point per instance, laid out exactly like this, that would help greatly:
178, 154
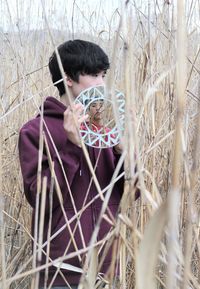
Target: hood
53, 107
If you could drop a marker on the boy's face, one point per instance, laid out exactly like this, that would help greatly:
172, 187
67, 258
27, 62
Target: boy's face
85, 81
96, 110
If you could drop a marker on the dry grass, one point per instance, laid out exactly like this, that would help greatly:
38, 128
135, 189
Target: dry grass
158, 236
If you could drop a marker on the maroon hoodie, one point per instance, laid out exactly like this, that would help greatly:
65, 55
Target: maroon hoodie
78, 176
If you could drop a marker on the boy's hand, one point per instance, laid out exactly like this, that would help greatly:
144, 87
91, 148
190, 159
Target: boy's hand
118, 148
73, 117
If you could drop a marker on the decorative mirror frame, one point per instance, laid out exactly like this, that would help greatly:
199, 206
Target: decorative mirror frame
105, 137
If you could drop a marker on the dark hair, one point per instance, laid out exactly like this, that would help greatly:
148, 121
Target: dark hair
77, 57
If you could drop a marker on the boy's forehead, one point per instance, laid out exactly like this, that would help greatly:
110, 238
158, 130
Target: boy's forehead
98, 101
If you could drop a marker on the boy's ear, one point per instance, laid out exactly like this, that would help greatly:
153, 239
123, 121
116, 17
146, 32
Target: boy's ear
69, 81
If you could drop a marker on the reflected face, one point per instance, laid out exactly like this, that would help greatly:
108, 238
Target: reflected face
96, 110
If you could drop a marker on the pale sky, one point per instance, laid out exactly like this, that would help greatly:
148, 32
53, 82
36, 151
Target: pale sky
28, 14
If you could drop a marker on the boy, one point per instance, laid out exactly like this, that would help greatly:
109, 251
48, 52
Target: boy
85, 65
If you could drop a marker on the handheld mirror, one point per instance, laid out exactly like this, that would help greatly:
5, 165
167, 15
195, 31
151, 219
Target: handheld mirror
101, 130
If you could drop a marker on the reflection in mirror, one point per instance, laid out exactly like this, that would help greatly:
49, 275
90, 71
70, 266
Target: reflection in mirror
101, 130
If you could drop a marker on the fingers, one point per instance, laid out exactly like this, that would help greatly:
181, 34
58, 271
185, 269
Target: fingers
76, 109
75, 113
83, 118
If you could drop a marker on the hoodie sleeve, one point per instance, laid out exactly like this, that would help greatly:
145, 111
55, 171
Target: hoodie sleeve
28, 155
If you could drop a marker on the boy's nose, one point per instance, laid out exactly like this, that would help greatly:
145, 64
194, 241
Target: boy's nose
98, 108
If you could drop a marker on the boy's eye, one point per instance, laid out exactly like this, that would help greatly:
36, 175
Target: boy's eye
93, 105
95, 75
